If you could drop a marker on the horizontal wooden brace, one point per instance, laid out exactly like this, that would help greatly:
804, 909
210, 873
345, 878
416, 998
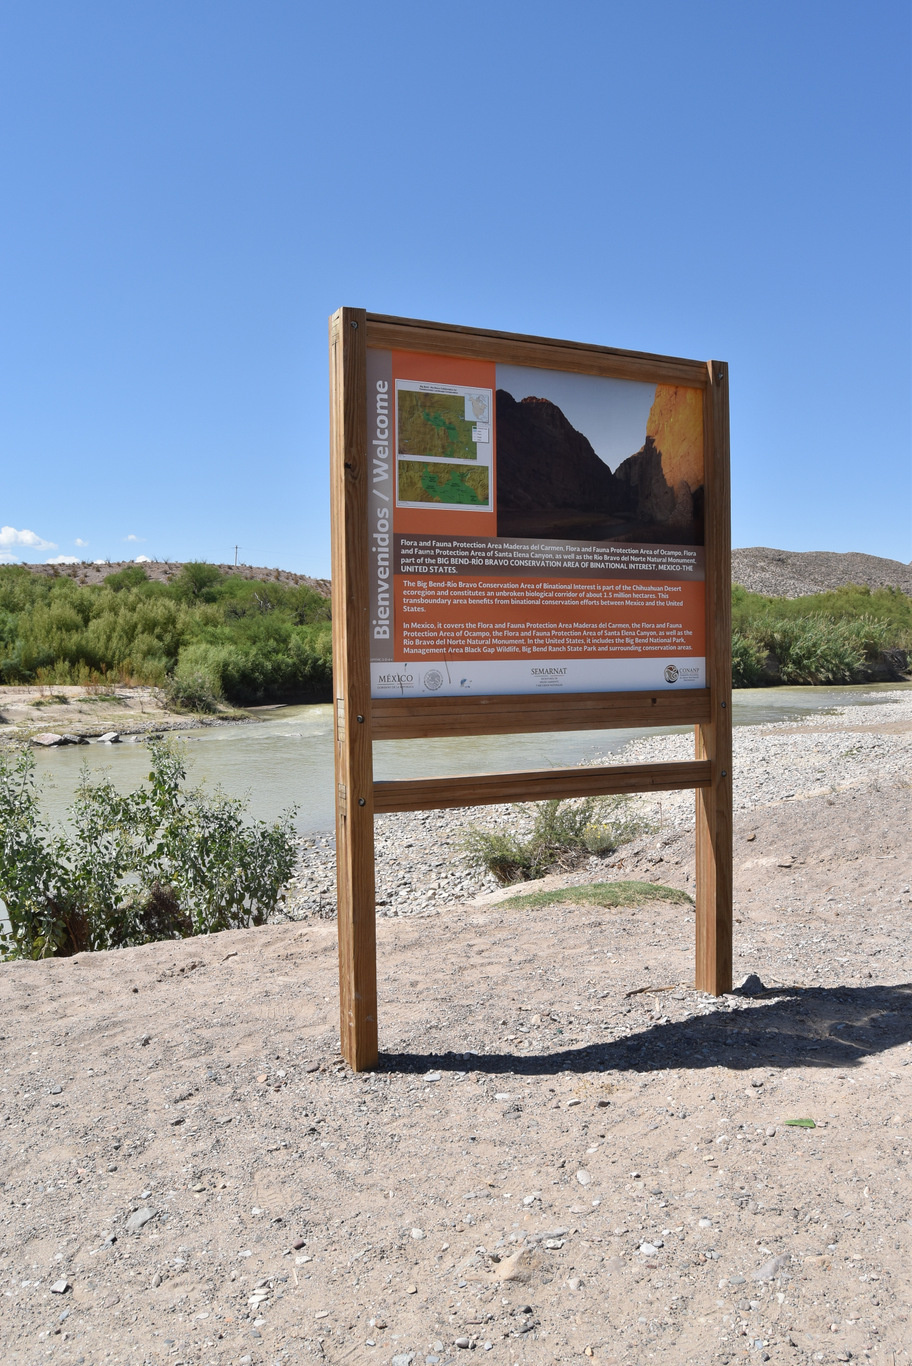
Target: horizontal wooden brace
416, 718
412, 334
487, 789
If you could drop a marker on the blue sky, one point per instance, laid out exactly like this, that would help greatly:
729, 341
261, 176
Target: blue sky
191, 188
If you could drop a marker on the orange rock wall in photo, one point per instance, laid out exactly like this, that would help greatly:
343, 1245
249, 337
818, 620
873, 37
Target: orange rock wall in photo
676, 427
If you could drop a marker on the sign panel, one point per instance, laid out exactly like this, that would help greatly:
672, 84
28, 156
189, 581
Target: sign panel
532, 530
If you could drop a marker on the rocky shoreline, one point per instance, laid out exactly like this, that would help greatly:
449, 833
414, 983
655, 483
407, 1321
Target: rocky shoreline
51, 716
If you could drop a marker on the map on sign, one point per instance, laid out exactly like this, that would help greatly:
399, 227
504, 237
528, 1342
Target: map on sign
435, 424
423, 482
441, 421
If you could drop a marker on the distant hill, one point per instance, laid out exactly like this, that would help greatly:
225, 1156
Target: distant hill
760, 569
796, 573
163, 571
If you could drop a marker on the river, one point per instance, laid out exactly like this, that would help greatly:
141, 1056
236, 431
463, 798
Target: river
285, 758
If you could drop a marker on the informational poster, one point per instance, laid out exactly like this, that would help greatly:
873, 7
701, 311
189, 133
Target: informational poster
532, 530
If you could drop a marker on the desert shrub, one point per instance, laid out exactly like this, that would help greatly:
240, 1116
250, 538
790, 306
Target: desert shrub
131, 577
197, 580
166, 861
823, 638
560, 834
818, 650
747, 661
191, 692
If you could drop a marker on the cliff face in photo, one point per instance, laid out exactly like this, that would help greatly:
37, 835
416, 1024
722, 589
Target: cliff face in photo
543, 462
551, 483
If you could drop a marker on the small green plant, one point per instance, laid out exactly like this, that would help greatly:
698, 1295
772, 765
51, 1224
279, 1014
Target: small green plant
164, 862
562, 832
607, 894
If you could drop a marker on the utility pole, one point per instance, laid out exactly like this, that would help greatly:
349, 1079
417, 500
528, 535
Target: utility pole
236, 549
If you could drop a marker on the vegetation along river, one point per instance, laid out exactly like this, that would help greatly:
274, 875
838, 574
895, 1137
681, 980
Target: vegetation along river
286, 757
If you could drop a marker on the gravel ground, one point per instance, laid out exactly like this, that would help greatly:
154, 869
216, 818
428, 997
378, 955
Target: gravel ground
566, 1151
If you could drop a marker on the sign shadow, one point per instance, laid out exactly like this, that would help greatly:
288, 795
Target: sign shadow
827, 1027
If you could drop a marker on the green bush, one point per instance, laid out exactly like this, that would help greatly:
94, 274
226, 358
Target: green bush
561, 834
164, 862
818, 650
131, 577
747, 661
197, 580
824, 638
191, 692
247, 640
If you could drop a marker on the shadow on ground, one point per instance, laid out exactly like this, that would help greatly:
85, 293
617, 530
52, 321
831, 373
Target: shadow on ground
791, 1027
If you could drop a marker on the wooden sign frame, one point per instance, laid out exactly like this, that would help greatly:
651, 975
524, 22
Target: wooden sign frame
360, 719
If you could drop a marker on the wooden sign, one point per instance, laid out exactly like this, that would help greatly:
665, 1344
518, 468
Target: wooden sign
528, 535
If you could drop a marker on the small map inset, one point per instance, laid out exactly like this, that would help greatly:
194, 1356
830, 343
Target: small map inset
477, 407
435, 425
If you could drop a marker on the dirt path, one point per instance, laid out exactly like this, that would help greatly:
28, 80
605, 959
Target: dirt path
545, 1167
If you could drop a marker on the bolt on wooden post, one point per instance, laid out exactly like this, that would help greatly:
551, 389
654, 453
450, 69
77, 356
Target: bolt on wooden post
465, 603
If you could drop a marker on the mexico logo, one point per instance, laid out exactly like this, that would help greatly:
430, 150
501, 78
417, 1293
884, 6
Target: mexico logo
433, 679
671, 673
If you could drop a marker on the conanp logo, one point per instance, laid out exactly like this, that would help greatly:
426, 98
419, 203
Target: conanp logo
671, 673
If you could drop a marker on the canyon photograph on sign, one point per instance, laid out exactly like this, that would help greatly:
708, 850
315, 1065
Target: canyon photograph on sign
585, 458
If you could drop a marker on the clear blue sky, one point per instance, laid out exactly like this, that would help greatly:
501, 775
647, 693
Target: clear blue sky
190, 188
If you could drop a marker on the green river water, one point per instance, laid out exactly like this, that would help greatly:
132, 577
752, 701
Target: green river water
285, 757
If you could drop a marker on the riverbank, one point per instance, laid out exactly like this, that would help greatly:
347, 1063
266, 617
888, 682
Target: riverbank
77, 714
566, 1151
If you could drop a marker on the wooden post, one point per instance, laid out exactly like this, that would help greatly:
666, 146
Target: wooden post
714, 737
351, 689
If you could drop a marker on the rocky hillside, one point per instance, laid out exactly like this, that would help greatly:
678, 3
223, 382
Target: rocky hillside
775, 573
163, 571
796, 573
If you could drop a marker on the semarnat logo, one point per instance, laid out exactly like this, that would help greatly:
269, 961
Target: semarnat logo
548, 673
671, 673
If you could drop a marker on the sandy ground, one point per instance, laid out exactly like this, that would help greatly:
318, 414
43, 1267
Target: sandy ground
89, 712
566, 1152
